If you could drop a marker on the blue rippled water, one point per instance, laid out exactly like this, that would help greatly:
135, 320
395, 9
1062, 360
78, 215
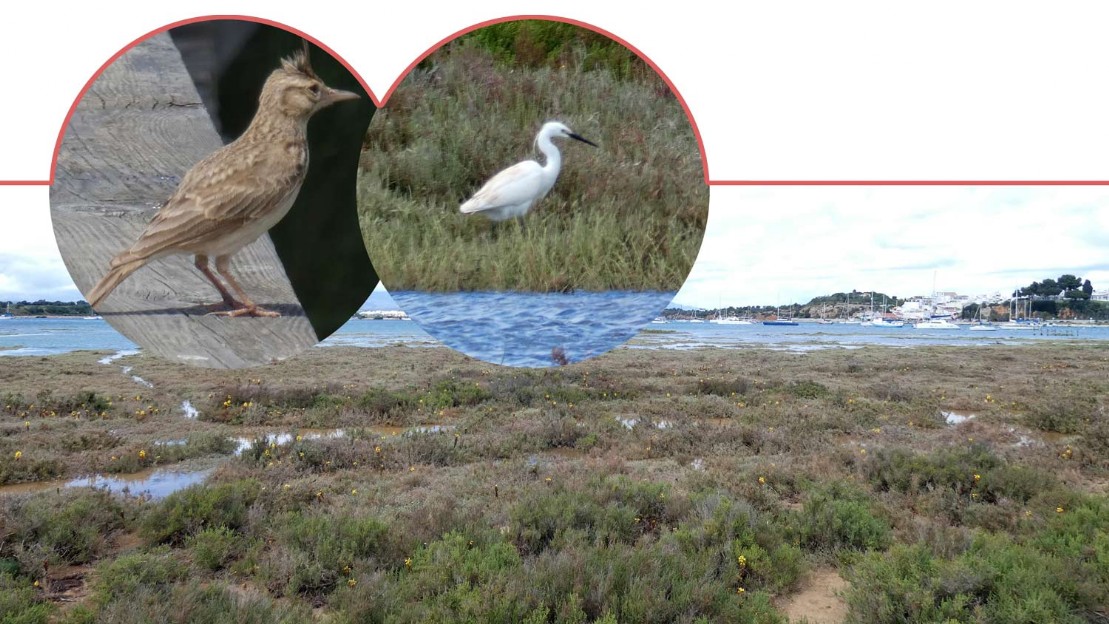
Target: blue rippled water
533, 323
523, 329
32, 336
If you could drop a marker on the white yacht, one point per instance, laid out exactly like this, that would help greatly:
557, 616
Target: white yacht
936, 324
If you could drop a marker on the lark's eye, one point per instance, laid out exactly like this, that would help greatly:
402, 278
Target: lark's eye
315, 89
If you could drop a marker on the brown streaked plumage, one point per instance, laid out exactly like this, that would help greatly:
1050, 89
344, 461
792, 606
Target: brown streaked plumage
236, 194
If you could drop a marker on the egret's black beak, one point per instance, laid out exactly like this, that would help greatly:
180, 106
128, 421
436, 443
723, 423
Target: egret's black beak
581, 138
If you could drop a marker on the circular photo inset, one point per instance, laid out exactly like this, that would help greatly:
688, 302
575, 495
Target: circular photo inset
204, 194
532, 193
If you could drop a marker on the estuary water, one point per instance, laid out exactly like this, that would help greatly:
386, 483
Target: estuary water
813, 336
35, 336
532, 329
534, 334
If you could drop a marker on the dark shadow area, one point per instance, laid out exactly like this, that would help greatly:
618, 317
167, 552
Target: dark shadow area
285, 309
319, 241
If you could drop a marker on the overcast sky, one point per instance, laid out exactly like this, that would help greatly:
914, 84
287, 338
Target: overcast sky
771, 245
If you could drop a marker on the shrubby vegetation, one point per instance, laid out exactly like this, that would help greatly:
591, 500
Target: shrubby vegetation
43, 307
628, 215
695, 486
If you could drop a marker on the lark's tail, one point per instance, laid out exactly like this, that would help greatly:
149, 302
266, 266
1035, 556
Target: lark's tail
122, 266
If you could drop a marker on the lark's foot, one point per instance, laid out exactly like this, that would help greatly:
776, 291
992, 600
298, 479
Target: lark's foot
222, 307
253, 310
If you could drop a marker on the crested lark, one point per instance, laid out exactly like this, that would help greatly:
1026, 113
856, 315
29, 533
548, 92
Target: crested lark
240, 191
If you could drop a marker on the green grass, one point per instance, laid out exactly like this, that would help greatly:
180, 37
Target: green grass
629, 215
66, 527
997, 579
540, 506
19, 603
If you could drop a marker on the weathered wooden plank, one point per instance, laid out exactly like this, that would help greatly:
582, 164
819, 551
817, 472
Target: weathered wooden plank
133, 136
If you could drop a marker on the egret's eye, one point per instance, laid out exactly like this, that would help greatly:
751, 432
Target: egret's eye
315, 89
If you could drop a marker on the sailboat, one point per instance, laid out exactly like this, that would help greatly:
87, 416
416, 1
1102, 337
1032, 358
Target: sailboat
1019, 323
730, 319
885, 322
7, 313
880, 320
936, 324
823, 315
982, 325
778, 320
932, 322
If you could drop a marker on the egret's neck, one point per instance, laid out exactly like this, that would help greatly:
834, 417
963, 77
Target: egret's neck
553, 156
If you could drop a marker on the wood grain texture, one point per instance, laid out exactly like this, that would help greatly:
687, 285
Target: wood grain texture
133, 136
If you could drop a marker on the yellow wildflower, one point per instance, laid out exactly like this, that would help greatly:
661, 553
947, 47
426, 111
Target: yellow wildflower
762, 480
351, 582
18, 454
142, 454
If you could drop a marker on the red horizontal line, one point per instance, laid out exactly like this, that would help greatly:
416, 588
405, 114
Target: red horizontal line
909, 182
807, 182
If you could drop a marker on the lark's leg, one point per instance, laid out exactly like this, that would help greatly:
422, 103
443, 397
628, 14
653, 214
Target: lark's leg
248, 308
201, 263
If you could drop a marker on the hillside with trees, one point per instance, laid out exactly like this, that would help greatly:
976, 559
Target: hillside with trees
46, 308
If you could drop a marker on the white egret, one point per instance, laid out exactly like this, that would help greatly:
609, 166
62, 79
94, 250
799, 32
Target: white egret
512, 192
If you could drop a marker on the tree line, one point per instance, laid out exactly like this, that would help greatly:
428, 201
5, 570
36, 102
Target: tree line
48, 308
1070, 286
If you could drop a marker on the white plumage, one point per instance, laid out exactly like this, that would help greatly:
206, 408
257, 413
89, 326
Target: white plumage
512, 192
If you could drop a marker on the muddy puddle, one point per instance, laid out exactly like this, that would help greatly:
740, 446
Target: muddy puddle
157, 483
956, 418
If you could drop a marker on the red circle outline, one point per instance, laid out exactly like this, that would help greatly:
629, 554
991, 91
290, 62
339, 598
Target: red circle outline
379, 102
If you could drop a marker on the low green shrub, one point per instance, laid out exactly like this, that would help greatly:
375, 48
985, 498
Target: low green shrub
213, 548
318, 550
155, 571
193, 509
996, 580
838, 517
69, 526
19, 602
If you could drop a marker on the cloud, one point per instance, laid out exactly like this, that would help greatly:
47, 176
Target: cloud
28, 278
30, 265
769, 245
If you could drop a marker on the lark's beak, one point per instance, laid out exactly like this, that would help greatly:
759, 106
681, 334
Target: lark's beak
335, 95
582, 139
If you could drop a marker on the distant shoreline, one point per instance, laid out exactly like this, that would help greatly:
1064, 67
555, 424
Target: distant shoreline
51, 316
